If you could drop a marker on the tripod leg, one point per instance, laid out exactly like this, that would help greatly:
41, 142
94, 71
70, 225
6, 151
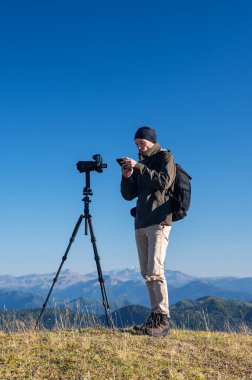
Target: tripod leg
100, 277
76, 228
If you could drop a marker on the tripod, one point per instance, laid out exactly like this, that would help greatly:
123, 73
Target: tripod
87, 192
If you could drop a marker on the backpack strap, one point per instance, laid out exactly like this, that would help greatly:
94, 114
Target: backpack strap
171, 189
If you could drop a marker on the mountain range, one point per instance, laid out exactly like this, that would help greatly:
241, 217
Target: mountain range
124, 287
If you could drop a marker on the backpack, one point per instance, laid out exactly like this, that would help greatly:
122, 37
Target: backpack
180, 193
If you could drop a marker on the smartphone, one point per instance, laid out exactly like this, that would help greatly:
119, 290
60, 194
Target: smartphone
119, 160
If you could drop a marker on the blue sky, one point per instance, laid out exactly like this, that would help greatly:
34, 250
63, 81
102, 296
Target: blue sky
78, 78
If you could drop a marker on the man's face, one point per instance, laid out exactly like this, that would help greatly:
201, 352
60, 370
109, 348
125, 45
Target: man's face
143, 145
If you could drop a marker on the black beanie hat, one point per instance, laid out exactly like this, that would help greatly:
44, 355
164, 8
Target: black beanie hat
146, 133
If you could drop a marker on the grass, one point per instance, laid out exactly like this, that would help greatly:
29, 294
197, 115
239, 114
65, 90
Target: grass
93, 354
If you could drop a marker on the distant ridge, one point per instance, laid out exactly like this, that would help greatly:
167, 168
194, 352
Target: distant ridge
16, 300
124, 287
201, 288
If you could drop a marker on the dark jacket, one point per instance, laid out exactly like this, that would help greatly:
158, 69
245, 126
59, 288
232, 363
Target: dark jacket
152, 176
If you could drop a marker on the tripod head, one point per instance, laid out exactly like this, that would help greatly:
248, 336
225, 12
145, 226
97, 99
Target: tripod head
87, 189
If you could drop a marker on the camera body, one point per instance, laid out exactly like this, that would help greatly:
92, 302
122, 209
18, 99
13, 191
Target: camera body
88, 166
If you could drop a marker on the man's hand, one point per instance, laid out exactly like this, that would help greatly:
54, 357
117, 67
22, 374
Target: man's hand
127, 166
129, 162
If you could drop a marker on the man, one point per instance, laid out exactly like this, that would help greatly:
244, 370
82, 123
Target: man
148, 180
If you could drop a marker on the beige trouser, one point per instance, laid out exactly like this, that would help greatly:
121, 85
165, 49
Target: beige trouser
152, 243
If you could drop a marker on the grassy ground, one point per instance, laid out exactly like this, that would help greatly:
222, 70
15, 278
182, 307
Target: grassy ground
93, 354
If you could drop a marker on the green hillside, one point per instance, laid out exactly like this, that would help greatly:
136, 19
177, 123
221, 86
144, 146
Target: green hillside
100, 354
212, 313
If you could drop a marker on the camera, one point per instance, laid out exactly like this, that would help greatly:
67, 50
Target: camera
88, 166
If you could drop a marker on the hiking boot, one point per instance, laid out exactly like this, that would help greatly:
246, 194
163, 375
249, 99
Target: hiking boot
149, 322
159, 326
